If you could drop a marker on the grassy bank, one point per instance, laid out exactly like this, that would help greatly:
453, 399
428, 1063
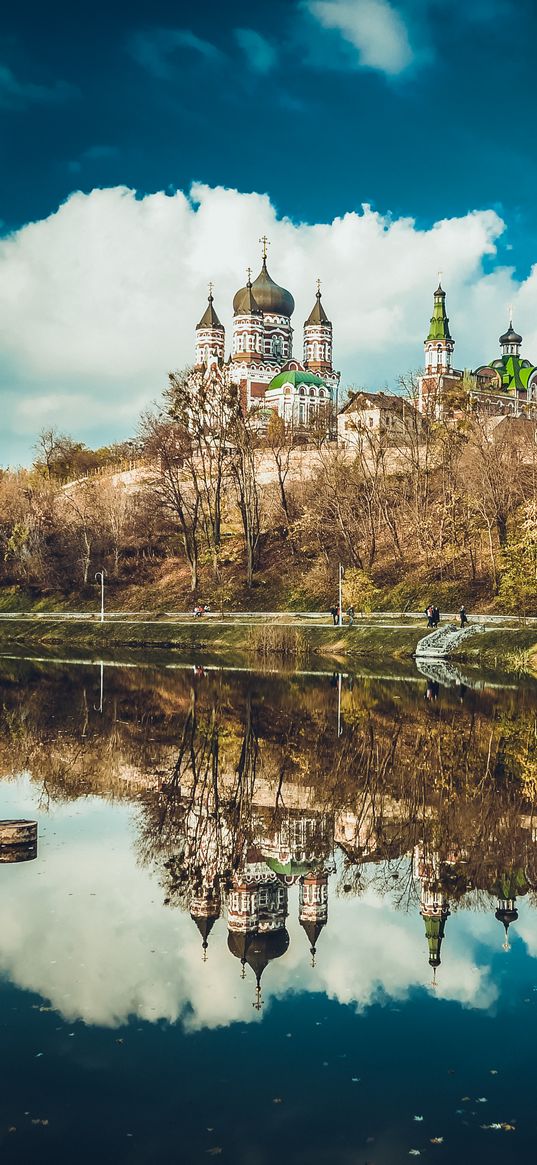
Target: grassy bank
243, 644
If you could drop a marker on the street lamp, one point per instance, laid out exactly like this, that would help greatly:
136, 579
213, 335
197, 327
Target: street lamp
101, 574
341, 572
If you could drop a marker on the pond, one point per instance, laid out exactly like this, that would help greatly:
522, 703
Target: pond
270, 915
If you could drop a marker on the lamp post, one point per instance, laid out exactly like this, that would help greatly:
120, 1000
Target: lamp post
101, 574
341, 572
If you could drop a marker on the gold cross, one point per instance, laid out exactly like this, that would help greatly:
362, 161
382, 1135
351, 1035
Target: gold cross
318, 287
510, 313
249, 274
265, 243
211, 285
440, 274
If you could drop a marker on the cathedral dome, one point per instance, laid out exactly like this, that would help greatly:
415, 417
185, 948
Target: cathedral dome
270, 296
245, 303
510, 336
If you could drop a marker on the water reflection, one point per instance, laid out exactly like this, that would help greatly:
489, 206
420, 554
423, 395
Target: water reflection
278, 816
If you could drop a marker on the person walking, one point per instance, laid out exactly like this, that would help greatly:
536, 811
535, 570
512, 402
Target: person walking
463, 617
429, 611
436, 616
334, 614
350, 613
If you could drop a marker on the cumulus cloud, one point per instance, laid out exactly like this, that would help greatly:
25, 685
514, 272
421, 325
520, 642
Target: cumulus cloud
16, 94
90, 934
373, 29
259, 52
100, 300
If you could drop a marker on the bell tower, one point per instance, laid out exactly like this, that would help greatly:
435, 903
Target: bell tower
210, 336
439, 344
318, 338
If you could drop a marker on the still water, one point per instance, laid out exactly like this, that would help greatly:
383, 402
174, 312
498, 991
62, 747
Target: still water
270, 917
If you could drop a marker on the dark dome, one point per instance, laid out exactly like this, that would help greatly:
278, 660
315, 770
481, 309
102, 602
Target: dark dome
270, 296
258, 949
245, 303
510, 336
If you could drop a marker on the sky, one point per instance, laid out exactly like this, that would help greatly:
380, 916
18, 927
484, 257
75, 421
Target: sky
146, 147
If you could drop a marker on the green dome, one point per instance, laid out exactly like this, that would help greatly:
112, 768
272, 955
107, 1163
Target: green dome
296, 377
288, 869
515, 373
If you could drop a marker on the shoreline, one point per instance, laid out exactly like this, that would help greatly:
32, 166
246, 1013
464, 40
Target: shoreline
247, 641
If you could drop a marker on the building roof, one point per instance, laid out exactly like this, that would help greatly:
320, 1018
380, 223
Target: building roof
360, 401
295, 376
209, 318
317, 314
270, 296
439, 326
245, 303
510, 336
514, 372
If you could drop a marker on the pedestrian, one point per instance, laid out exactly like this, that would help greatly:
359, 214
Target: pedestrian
350, 613
436, 616
463, 617
429, 611
333, 612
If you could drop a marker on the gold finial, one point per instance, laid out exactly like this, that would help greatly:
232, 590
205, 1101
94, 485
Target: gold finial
318, 287
211, 285
258, 1002
440, 274
249, 274
266, 244
510, 313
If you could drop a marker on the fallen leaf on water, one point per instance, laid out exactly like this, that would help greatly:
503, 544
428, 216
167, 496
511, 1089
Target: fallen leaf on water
12, 1129
507, 1127
215, 1151
276, 1100
418, 1118
437, 1140
495, 1126
494, 1071
355, 1079
481, 1100
414, 1153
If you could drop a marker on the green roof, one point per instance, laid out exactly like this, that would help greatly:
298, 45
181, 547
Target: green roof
290, 869
439, 329
514, 372
296, 377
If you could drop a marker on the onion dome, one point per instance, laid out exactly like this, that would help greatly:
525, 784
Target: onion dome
258, 950
317, 314
209, 318
506, 914
270, 296
510, 336
244, 301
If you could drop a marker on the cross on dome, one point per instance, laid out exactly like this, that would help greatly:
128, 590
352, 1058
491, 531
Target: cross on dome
266, 243
211, 287
318, 286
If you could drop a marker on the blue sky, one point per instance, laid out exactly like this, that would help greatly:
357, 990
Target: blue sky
422, 109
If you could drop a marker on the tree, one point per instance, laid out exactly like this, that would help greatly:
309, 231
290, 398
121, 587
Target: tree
168, 446
243, 474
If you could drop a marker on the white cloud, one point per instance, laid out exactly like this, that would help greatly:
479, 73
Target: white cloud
260, 53
85, 928
15, 94
373, 29
100, 300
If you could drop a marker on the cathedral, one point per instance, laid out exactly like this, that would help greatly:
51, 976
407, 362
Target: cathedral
261, 361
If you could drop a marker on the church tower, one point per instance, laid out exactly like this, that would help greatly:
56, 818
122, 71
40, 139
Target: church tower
313, 907
318, 338
205, 911
510, 341
439, 344
248, 332
210, 336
